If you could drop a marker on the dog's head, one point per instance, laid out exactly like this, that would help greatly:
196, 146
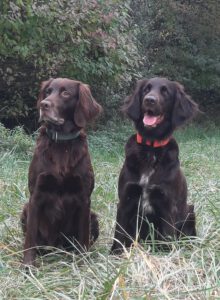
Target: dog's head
158, 106
63, 100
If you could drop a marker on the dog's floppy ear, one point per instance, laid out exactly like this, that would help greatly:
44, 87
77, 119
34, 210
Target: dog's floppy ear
184, 107
41, 95
86, 108
132, 104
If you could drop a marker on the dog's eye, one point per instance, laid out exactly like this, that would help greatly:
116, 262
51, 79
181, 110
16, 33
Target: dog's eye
147, 88
48, 91
65, 93
163, 89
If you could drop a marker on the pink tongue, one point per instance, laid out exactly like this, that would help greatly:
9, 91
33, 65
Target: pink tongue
149, 120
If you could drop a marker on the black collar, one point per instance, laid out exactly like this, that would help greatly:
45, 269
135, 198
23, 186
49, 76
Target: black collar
60, 136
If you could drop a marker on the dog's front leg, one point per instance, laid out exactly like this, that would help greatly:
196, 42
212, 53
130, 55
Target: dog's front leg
84, 227
168, 226
123, 235
125, 230
165, 209
31, 234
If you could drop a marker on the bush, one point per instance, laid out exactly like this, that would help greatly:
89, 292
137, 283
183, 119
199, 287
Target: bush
15, 140
90, 41
179, 40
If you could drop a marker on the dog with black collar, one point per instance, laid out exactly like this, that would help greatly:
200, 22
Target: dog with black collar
61, 177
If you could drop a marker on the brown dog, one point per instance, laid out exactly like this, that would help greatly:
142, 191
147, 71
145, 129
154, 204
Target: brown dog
152, 187
61, 177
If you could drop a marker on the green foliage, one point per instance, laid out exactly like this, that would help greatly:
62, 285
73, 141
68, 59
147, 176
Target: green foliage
86, 40
15, 140
107, 44
180, 40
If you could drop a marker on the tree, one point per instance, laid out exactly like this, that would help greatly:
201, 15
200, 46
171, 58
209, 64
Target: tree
181, 40
86, 40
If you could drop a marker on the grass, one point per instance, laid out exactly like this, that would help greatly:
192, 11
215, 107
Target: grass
191, 270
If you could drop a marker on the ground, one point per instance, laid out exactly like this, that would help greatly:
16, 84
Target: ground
191, 270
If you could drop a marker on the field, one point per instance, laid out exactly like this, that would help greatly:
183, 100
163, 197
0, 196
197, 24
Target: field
191, 270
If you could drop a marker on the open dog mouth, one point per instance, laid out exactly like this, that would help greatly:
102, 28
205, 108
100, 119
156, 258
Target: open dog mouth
151, 120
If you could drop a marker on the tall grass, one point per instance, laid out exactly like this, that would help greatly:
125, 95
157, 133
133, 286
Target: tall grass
191, 270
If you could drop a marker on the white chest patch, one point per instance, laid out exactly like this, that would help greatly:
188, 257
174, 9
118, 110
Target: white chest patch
145, 203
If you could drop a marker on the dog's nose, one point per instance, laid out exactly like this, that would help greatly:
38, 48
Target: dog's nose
45, 104
150, 99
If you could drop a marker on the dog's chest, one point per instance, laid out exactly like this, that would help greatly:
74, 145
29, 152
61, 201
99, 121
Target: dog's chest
145, 182
62, 160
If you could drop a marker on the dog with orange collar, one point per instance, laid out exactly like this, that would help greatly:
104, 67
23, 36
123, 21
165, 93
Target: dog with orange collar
152, 187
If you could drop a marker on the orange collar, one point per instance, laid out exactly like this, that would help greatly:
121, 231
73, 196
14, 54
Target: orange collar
154, 144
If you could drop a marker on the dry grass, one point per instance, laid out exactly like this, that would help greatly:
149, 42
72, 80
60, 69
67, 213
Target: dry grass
191, 270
